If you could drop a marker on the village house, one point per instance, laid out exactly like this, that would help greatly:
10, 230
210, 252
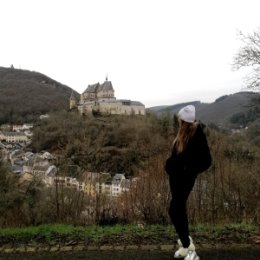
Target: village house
41, 166
13, 137
44, 116
27, 156
15, 155
6, 127
49, 175
46, 155
91, 180
69, 182
28, 165
38, 164
93, 184
103, 186
39, 171
106, 188
117, 184
19, 128
126, 185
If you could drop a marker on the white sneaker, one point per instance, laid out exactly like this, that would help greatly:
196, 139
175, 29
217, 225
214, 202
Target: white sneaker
192, 255
183, 252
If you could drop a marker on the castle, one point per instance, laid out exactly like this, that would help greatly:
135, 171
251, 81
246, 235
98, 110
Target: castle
101, 98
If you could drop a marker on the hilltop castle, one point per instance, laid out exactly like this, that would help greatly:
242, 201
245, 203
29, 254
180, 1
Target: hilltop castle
101, 98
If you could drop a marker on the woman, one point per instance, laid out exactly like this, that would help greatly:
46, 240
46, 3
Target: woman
190, 156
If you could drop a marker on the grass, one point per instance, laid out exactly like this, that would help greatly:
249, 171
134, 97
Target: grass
131, 234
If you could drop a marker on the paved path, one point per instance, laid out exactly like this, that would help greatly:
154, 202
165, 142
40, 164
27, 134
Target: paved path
142, 252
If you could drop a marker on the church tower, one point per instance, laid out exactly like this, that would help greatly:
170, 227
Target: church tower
73, 101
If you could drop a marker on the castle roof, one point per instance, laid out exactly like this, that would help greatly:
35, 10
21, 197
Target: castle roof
106, 86
92, 88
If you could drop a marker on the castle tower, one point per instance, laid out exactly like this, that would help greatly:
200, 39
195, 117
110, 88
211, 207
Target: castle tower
73, 100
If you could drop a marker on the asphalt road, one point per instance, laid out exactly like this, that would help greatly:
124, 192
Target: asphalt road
213, 254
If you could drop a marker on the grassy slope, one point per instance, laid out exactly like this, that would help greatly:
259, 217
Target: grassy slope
127, 234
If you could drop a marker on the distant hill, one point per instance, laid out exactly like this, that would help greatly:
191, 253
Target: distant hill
24, 95
229, 110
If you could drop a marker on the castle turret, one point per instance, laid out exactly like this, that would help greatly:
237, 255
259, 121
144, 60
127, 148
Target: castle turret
73, 100
106, 91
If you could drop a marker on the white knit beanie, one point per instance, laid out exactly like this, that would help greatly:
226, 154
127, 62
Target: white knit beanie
187, 114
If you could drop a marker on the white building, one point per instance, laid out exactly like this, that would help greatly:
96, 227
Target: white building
117, 184
18, 128
50, 174
13, 137
64, 181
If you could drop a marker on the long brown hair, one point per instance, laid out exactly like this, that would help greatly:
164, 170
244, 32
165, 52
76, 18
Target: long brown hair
185, 132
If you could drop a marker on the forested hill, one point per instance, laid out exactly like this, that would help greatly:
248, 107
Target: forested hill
24, 95
229, 110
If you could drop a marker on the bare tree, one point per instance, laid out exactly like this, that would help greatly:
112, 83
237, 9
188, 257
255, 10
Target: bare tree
249, 56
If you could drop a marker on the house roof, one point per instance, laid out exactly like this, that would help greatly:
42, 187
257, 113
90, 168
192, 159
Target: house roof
47, 155
28, 154
13, 134
118, 177
51, 171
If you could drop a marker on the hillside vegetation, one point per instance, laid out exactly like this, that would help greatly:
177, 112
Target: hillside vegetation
226, 193
112, 143
138, 146
24, 95
233, 110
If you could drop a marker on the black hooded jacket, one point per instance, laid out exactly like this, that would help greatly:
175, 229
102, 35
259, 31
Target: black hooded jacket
195, 158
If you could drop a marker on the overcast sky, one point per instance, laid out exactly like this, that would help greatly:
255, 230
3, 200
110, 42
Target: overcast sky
158, 52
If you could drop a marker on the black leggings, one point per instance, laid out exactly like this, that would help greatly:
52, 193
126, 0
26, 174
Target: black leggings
181, 187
